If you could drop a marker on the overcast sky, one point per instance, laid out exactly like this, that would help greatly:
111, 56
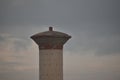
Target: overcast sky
93, 52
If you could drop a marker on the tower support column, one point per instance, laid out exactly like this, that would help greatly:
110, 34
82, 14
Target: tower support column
51, 64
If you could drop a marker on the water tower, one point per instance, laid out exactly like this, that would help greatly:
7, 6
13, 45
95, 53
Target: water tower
51, 53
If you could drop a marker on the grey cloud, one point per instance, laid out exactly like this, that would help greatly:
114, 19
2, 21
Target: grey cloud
25, 75
99, 38
109, 46
97, 76
94, 25
20, 45
2, 39
60, 12
15, 63
90, 67
16, 43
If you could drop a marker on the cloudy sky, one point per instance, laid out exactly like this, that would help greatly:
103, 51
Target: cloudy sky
93, 52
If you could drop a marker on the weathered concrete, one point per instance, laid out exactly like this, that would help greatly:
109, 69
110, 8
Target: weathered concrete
51, 64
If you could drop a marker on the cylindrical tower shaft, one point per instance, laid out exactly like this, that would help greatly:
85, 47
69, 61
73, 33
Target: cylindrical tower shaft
51, 65
51, 53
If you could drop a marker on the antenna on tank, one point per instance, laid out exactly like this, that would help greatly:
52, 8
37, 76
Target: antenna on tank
50, 28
